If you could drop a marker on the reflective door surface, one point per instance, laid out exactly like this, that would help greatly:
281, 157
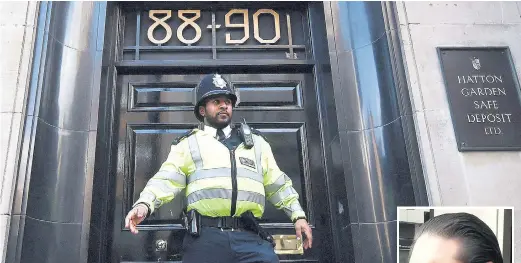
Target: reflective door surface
155, 109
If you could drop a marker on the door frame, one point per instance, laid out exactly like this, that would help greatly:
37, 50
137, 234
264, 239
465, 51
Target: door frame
106, 149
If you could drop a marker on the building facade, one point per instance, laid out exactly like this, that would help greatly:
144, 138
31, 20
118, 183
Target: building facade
351, 95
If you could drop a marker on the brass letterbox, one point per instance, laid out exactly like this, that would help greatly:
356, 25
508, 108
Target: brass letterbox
288, 244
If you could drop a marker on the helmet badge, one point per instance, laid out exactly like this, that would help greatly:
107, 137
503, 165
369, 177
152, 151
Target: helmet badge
218, 81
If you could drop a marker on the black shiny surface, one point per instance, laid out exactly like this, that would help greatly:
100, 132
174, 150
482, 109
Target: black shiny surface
53, 193
14, 243
416, 170
377, 241
372, 123
58, 174
343, 212
364, 63
358, 243
380, 174
64, 74
404, 103
74, 25
100, 224
351, 235
144, 140
348, 98
51, 242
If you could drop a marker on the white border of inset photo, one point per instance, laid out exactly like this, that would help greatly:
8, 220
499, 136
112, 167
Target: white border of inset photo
491, 215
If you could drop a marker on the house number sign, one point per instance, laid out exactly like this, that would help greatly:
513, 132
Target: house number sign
190, 18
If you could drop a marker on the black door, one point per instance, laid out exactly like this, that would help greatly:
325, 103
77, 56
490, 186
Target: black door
264, 49
155, 109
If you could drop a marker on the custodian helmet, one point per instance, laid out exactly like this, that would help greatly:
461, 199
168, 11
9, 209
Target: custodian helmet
211, 85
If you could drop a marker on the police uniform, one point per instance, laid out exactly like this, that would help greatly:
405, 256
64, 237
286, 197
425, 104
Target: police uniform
223, 179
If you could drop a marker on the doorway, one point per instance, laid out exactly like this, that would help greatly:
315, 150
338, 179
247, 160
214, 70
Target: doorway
150, 103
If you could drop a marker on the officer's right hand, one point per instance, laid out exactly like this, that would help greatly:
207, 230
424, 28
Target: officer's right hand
135, 217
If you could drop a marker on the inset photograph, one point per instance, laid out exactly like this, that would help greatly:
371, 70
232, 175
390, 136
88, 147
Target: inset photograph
455, 234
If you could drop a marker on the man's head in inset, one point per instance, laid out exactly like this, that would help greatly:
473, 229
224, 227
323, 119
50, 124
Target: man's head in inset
455, 238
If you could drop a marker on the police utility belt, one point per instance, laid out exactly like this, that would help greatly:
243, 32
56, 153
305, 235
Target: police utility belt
194, 221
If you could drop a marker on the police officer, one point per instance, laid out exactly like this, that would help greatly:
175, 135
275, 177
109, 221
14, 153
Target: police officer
225, 177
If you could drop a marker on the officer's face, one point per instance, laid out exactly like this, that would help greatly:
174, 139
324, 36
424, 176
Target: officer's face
217, 112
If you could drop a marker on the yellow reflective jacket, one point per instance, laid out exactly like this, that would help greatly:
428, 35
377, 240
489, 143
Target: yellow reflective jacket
213, 176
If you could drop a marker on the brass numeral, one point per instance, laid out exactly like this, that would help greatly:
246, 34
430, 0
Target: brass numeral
191, 21
187, 22
245, 25
159, 21
256, 26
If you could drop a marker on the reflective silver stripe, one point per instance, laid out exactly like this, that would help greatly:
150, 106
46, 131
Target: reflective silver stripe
208, 194
172, 176
245, 173
271, 188
224, 194
163, 187
251, 197
294, 207
257, 146
146, 197
194, 150
209, 173
223, 172
277, 197
149, 198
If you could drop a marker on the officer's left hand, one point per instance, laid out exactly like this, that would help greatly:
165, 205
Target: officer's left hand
302, 226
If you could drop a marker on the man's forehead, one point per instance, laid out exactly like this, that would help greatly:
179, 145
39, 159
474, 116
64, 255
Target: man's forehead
435, 249
220, 97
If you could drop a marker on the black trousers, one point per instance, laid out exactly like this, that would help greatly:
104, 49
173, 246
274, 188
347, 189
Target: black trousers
216, 246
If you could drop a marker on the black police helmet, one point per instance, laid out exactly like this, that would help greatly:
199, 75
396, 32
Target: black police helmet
212, 85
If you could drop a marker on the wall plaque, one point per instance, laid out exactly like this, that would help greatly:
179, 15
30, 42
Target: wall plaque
484, 98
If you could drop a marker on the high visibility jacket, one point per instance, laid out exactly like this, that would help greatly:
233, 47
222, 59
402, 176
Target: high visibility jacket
216, 177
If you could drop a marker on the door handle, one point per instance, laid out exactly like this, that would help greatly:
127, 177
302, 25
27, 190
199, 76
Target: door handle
161, 245
287, 244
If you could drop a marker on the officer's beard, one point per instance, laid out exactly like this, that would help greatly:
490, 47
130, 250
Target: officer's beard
216, 123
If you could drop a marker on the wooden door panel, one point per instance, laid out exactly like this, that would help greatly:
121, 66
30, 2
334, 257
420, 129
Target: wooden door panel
155, 109
149, 145
287, 146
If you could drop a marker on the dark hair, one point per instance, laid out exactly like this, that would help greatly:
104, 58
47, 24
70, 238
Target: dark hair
478, 242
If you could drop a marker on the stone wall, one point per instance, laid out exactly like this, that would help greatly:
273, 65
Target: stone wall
17, 32
456, 178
